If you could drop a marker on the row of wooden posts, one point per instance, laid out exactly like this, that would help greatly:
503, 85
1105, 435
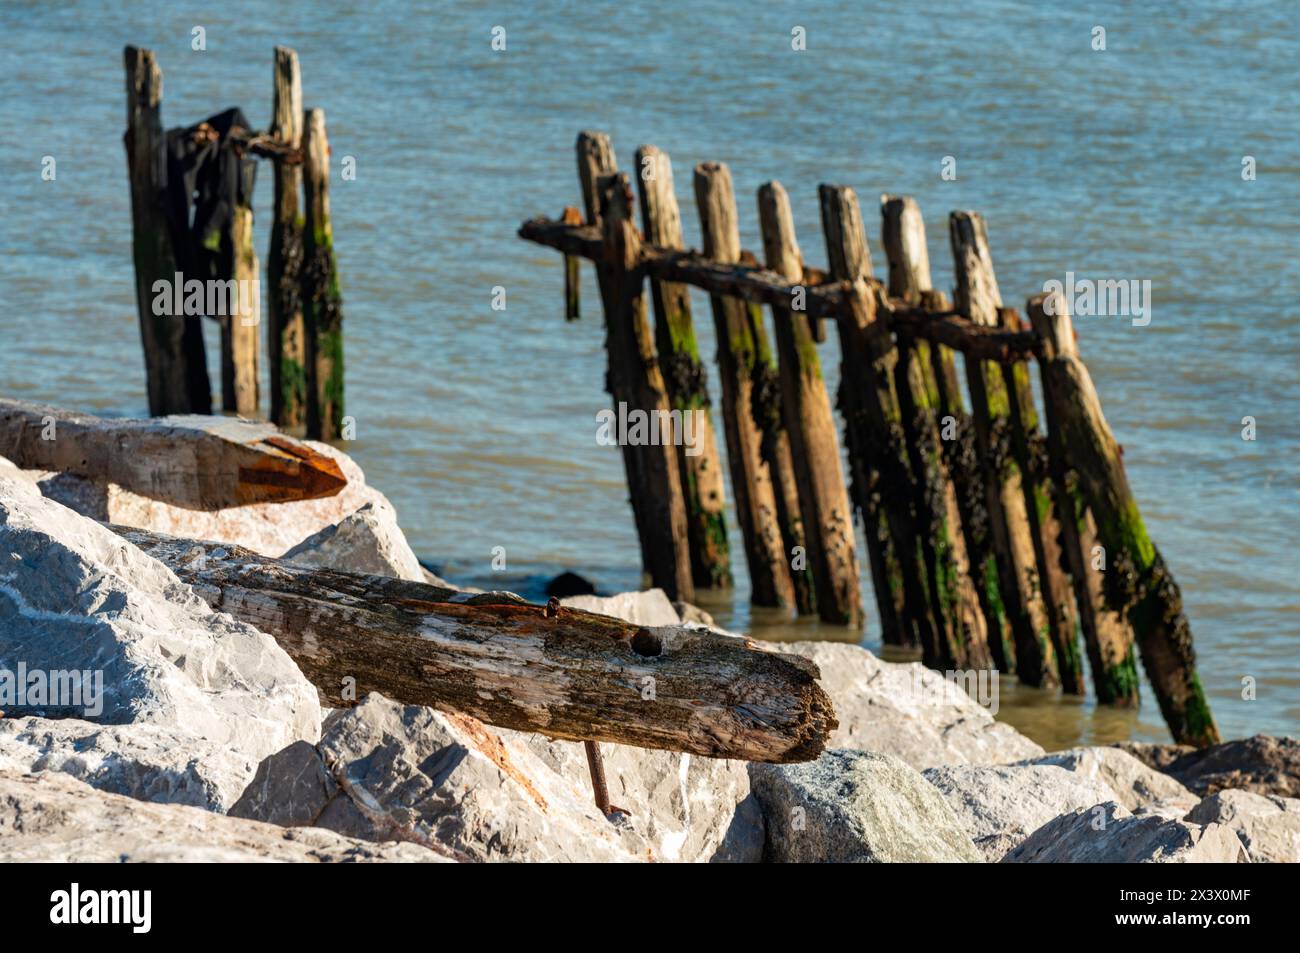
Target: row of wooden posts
304, 328
992, 540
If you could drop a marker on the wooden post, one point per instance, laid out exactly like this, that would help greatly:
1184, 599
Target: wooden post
910, 280
869, 403
978, 299
239, 330
1137, 581
740, 365
824, 504
699, 465
1055, 586
953, 591
175, 372
636, 383
1107, 635
322, 303
285, 334
572, 274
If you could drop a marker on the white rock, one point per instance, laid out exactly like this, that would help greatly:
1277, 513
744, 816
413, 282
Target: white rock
907, 710
367, 541
1135, 785
146, 762
266, 528
1000, 805
1109, 834
856, 807
651, 607
506, 795
74, 596
1268, 825
53, 818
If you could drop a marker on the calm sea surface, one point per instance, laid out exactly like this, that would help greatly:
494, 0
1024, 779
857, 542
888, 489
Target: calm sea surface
479, 424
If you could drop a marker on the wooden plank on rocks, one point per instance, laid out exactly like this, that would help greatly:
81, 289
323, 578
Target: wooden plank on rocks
195, 462
557, 671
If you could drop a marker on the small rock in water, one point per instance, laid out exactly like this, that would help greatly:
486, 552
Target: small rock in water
568, 584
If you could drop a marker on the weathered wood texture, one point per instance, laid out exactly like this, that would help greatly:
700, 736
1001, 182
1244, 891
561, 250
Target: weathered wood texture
653, 477
1030, 449
572, 271
285, 332
322, 301
240, 372
978, 299
195, 462
700, 464
1107, 635
951, 587
823, 499
576, 676
743, 365
176, 374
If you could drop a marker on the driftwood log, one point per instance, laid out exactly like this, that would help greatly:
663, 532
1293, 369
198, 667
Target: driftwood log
562, 672
194, 462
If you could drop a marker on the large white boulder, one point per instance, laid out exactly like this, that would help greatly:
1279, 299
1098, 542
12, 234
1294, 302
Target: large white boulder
75, 597
383, 768
1136, 786
856, 807
1268, 825
367, 541
1109, 834
52, 818
1000, 805
907, 710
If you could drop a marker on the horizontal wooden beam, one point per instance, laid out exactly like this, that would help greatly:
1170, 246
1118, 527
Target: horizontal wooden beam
822, 296
548, 669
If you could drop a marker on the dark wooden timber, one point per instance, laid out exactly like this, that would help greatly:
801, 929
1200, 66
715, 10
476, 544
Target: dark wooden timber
1012, 535
322, 301
175, 370
1108, 634
1030, 448
577, 675
636, 382
951, 586
285, 332
824, 503
195, 462
700, 465
572, 274
240, 373
743, 358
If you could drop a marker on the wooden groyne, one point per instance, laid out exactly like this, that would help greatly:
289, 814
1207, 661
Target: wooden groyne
192, 217
997, 535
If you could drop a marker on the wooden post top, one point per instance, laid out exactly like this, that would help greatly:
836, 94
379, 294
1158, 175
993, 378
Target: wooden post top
978, 296
595, 158
622, 240
659, 211
846, 240
779, 245
716, 198
1050, 316
903, 235
286, 107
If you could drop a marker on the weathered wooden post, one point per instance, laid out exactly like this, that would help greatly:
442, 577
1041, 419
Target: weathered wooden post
910, 280
572, 273
700, 464
285, 334
239, 329
1138, 584
1107, 635
740, 365
951, 586
1030, 449
175, 370
978, 299
322, 302
636, 382
824, 504
869, 403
